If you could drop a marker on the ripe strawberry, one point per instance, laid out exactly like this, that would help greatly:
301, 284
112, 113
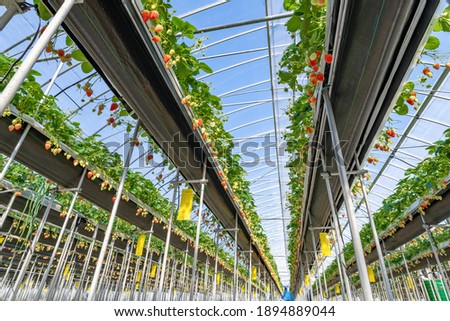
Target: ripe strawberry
60, 52
320, 77
315, 68
136, 143
309, 130
200, 122
114, 199
444, 182
156, 38
427, 72
370, 159
49, 48
159, 28
224, 182
48, 145
111, 120
313, 63
149, 157
18, 194
328, 58
220, 173
145, 15
42, 30
11, 128
138, 211
154, 15
89, 92
437, 65
194, 126
89, 175
101, 107
113, 107
166, 58
17, 126
310, 92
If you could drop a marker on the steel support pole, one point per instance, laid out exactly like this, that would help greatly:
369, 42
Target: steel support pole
144, 268
337, 228
235, 266
61, 234
7, 210
216, 255
205, 281
384, 274
169, 234
316, 258
436, 256
114, 210
16, 81
86, 264
359, 253
249, 284
31, 249
197, 235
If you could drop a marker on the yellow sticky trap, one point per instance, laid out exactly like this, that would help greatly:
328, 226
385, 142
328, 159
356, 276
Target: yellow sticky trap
268, 287
243, 288
410, 282
307, 280
140, 245
77, 284
66, 269
338, 289
254, 273
153, 271
187, 197
218, 279
371, 274
67, 276
138, 278
1, 239
325, 244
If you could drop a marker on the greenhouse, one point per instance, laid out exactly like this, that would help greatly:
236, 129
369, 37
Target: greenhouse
224, 150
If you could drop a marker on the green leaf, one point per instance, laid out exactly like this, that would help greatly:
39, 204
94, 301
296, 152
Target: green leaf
409, 86
78, 55
205, 67
86, 67
43, 11
123, 113
432, 43
294, 23
401, 109
69, 42
290, 5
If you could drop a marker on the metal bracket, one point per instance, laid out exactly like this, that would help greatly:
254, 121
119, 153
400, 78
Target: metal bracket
322, 228
192, 181
74, 189
357, 172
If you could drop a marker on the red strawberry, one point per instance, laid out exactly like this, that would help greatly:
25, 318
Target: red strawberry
114, 199
410, 101
200, 122
111, 120
159, 28
154, 15
113, 107
149, 157
315, 68
427, 72
17, 126
328, 58
436, 65
18, 194
89, 92
220, 173
137, 143
156, 38
310, 92
313, 63
48, 145
42, 30
49, 48
60, 52
166, 58
320, 77
309, 130
145, 15
89, 175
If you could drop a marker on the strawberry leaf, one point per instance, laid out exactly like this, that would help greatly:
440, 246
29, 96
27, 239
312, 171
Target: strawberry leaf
401, 109
432, 43
78, 55
86, 67
294, 23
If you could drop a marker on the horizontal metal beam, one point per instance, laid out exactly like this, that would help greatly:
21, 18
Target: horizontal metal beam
244, 23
